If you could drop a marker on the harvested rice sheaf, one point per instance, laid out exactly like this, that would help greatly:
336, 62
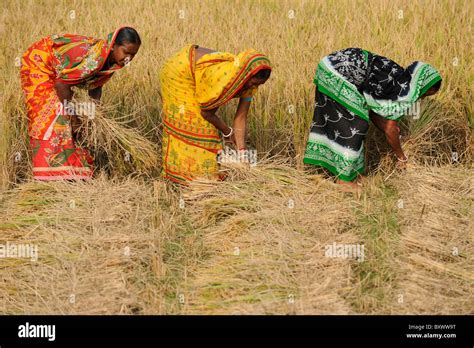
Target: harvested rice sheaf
114, 141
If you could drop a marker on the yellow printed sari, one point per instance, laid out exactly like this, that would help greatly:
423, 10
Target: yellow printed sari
190, 143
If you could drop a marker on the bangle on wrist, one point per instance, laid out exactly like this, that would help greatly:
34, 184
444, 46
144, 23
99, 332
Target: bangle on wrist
402, 160
230, 133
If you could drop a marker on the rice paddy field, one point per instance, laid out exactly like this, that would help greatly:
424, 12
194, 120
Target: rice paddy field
129, 243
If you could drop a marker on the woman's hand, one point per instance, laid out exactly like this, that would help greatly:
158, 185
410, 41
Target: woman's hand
392, 134
230, 141
76, 125
401, 166
401, 162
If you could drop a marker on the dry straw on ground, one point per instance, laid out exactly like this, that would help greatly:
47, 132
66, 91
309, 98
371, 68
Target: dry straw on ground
252, 245
436, 263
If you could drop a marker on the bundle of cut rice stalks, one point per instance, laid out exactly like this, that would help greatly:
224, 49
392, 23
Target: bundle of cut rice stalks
116, 144
267, 172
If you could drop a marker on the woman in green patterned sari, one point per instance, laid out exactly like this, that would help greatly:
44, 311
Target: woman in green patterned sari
353, 86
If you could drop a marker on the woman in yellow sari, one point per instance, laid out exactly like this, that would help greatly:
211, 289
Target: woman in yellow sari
194, 84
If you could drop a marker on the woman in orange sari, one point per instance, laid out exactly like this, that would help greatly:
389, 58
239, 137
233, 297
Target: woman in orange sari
49, 70
194, 84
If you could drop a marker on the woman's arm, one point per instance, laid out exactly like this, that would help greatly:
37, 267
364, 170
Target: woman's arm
65, 94
211, 117
240, 123
96, 94
392, 133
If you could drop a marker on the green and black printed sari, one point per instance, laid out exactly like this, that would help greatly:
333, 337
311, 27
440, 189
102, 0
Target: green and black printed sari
349, 83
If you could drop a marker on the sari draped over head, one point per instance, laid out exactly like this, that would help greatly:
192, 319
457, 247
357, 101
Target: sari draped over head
71, 59
349, 83
220, 76
190, 143
81, 58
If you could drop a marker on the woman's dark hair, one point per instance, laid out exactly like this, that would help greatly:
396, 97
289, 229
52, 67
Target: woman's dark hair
127, 34
263, 74
436, 86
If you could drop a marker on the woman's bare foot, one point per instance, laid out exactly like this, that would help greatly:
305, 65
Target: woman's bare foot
360, 180
349, 186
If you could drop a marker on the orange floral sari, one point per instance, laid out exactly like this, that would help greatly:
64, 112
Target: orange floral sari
70, 59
